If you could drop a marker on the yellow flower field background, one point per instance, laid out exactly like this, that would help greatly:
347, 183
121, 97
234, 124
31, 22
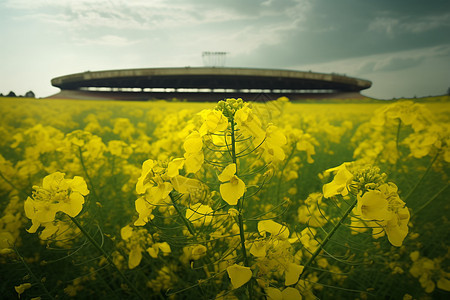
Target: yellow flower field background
224, 200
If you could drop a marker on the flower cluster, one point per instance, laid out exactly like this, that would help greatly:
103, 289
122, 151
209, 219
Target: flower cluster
378, 204
56, 194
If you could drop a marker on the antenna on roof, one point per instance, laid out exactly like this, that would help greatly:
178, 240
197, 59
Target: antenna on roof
213, 59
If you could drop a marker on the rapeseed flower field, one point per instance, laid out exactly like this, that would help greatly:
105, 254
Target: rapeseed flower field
226, 200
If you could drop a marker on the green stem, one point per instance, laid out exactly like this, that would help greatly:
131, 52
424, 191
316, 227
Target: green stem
421, 178
33, 276
240, 208
328, 237
107, 257
398, 135
233, 144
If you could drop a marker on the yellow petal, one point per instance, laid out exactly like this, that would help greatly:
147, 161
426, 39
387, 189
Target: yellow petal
126, 232
232, 191
74, 206
45, 212
77, 184
258, 249
174, 166
144, 210
214, 121
274, 294
273, 228
153, 251
35, 225
21, 288
373, 205
291, 294
49, 230
184, 185
239, 275
164, 247
397, 228
193, 162
227, 173
6, 240
198, 252
29, 208
339, 183
193, 142
53, 181
159, 193
147, 168
443, 284
292, 273
135, 257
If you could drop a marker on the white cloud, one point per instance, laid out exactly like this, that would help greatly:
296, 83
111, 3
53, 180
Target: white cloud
392, 26
366, 65
427, 23
107, 40
384, 24
387, 71
121, 14
153, 14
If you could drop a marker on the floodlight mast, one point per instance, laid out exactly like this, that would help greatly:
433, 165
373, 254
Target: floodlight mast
214, 58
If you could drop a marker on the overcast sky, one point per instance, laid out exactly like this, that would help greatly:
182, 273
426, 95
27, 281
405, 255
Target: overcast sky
402, 46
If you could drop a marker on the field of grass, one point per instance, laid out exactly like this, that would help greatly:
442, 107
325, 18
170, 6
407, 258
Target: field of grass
226, 200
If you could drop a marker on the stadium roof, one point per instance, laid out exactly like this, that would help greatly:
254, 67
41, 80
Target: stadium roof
209, 78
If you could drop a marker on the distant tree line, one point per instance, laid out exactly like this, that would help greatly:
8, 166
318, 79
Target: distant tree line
28, 94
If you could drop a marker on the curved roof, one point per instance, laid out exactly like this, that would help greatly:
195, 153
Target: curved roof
210, 78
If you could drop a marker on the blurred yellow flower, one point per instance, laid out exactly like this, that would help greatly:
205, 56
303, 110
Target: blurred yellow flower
21, 288
274, 142
194, 157
154, 249
135, 257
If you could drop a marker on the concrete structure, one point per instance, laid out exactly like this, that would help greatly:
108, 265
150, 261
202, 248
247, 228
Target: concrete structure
206, 83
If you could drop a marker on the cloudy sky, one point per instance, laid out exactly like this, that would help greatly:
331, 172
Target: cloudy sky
402, 46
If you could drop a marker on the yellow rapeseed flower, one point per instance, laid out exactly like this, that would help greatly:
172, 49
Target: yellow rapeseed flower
56, 195
232, 187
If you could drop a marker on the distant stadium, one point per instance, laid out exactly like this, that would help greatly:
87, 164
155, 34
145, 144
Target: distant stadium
207, 84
